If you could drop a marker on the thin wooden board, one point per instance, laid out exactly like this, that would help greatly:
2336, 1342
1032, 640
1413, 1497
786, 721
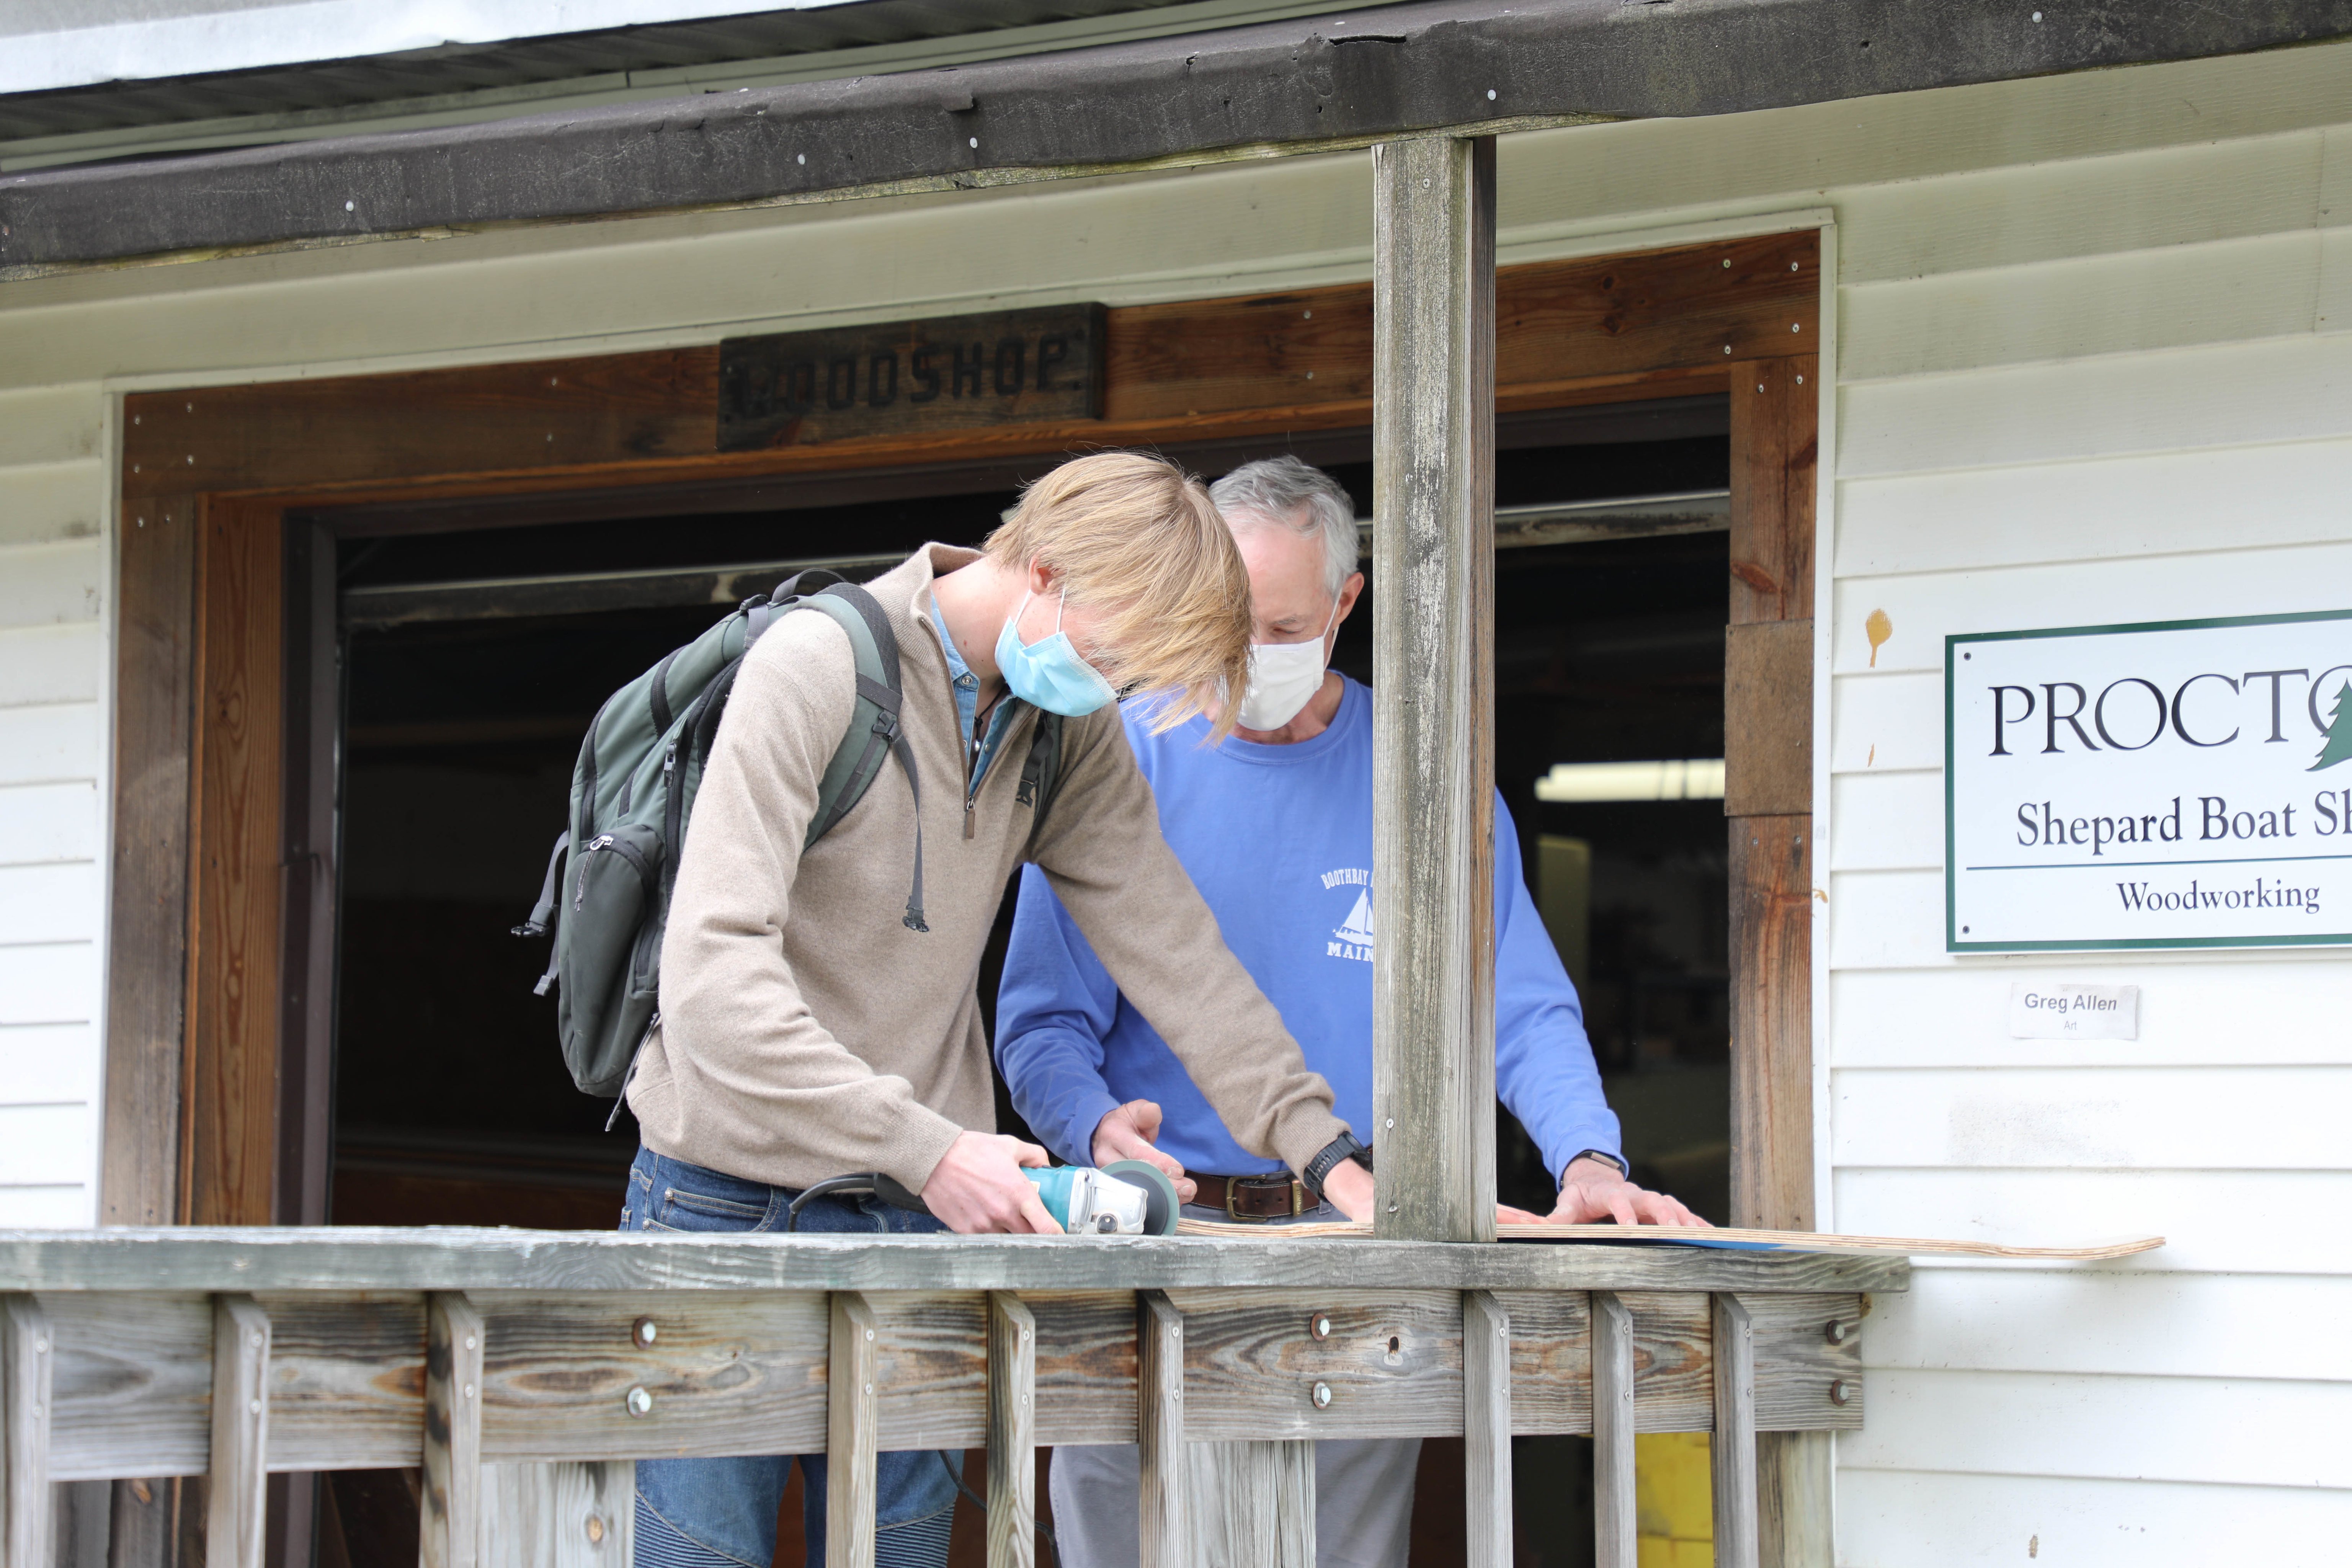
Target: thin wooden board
1714, 1237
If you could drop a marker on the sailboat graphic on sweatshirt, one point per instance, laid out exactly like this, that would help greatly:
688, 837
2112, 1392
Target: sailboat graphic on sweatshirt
1355, 934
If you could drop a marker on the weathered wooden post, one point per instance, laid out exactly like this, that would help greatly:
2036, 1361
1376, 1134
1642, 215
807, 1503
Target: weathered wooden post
1432, 688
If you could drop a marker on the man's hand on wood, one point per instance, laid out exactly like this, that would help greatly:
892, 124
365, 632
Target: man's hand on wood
1594, 1191
977, 1187
1126, 1134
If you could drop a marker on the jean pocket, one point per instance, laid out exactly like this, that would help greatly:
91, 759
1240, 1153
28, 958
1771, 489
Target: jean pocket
681, 1208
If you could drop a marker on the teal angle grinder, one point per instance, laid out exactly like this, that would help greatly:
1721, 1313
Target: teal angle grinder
1127, 1198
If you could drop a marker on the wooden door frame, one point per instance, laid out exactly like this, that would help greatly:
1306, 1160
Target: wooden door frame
221, 934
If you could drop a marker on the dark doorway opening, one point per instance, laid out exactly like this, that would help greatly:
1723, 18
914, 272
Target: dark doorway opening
477, 644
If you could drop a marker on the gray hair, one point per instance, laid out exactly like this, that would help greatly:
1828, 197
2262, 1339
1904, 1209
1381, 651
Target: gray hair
1273, 491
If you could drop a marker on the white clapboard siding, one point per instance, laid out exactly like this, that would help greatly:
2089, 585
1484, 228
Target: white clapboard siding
2229, 1006
2224, 290
1617, 172
2225, 394
49, 664
1897, 1519
43, 1145
51, 583
47, 904
49, 1064
51, 425
2233, 498
61, 1206
1886, 919
52, 501
47, 742
48, 982
2218, 1221
697, 277
40, 822
1928, 607
2134, 1321
2222, 1118
2247, 1432
1885, 820
1894, 719
2135, 201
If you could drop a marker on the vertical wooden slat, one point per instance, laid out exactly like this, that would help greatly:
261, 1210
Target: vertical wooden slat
1432, 688
1487, 1428
449, 1523
1794, 1500
1615, 1530
1732, 1452
1012, 1432
28, 1378
1253, 1504
1164, 1517
237, 1491
147, 911
567, 1514
852, 1425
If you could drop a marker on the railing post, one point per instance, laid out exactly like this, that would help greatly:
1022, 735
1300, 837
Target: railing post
1433, 686
1732, 1449
28, 1377
851, 1428
1486, 1428
1164, 1521
449, 1525
238, 1493
1615, 1531
1012, 1432
1253, 1504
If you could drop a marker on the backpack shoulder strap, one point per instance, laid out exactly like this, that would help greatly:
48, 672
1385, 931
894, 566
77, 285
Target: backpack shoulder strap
873, 727
1041, 771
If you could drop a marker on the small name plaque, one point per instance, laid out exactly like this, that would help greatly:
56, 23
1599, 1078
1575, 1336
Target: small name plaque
2039, 1011
959, 372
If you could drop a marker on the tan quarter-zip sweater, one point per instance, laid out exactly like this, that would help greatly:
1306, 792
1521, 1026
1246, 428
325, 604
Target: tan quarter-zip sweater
806, 1032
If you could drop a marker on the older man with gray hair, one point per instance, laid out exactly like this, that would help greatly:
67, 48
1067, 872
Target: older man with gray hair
1275, 827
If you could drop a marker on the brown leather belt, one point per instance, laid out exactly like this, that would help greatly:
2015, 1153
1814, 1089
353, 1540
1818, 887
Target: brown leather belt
1253, 1197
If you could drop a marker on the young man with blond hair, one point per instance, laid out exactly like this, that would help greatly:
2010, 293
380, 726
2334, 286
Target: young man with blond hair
807, 1030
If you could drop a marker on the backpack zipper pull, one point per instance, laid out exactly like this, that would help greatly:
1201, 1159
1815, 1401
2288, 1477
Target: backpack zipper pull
602, 841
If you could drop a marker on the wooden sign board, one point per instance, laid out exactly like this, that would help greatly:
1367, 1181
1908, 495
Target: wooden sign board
905, 378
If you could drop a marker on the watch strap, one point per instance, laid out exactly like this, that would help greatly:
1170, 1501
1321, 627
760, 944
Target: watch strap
1327, 1158
1603, 1155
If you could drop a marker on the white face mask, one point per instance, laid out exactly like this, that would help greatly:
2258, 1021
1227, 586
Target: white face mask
1283, 678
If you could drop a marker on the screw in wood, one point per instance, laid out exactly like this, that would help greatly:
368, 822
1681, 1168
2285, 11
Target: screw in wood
1840, 1392
1838, 1332
1319, 1325
639, 1402
644, 1332
1322, 1396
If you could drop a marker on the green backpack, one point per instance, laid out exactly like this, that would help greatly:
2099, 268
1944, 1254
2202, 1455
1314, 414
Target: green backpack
609, 880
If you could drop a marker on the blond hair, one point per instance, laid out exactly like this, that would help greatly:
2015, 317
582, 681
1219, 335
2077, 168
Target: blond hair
1136, 537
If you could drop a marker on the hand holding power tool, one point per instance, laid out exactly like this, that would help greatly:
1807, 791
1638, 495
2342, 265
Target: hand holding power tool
1129, 1198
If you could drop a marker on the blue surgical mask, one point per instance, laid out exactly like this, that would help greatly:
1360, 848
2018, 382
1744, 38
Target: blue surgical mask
1048, 673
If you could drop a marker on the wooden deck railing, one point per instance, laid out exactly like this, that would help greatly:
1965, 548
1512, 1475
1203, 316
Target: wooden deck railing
479, 1354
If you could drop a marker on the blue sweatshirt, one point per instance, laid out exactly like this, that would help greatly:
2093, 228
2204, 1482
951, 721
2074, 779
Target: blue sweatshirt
1279, 841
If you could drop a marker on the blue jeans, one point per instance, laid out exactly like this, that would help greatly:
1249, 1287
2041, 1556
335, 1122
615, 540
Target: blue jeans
722, 1513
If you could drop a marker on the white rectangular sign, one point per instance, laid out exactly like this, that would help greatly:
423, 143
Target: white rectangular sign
2042, 1011
2178, 784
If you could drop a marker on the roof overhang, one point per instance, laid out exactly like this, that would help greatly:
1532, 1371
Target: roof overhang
1327, 82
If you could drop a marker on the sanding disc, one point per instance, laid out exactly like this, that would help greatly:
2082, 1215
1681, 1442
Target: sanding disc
1160, 1209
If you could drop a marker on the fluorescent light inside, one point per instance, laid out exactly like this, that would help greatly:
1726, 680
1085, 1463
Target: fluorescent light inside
1689, 778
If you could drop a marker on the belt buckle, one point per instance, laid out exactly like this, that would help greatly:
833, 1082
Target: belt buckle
1235, 1184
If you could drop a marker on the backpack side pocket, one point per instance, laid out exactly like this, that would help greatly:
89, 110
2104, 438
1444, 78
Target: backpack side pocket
611, 890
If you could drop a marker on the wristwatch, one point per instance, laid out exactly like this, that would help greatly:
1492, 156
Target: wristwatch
1602, 1156
1343, 1147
